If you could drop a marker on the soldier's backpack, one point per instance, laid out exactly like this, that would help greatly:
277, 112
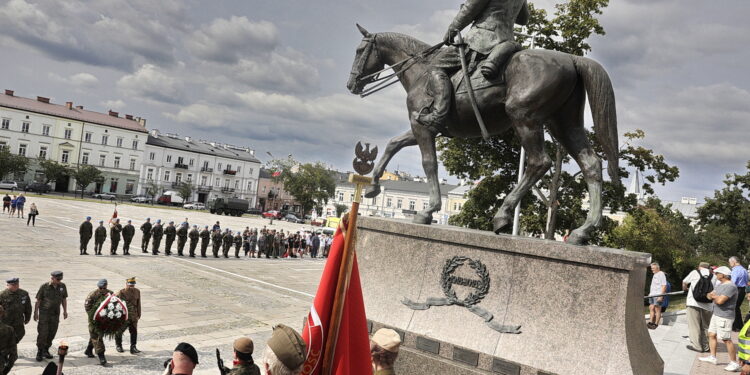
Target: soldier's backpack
703, 287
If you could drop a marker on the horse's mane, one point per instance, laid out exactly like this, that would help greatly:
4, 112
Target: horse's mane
409, 43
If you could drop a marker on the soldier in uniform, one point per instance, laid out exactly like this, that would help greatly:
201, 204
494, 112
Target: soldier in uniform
277, 243
49, 298
85, 231
270, 234
96, 341
156, 232
128, 231
17, 304
170, 232
146, 230
491, 35
246, 240
132, 296
243, 358
253, 240
205, 236
193, 235
182, 236
114, 236
227, 240
261, 242
8, 345
216, 242
237, 244
100, 235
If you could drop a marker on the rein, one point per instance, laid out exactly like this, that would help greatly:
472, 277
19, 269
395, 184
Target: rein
392, 78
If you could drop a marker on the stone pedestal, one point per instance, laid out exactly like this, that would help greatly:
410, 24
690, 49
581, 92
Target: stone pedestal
577, 309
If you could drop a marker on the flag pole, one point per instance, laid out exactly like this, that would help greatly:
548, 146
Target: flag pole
345, 273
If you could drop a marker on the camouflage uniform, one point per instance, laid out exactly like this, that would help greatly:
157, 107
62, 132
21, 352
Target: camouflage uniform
132, 297
205, 236
114, 237
49, 297
146, 230
156, 232
95, 339
182, 235
243, 369
193, 235
85, 231
227, 240
128, 231
216, 243
17, 310
8, 348
237, 244
100, 234
170, 232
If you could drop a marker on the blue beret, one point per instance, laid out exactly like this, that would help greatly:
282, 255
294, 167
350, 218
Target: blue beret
88, 217
102, 283
12, 280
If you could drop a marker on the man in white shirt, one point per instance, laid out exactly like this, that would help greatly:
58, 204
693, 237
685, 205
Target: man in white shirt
658, 287
698, 313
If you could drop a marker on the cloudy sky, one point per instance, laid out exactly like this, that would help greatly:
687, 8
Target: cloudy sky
271, 74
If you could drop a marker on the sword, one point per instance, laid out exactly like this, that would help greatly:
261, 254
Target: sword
462, 51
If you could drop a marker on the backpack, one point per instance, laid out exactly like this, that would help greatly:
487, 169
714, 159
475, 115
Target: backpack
703, 287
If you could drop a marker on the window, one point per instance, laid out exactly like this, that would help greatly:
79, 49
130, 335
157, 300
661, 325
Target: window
132, 164
25, 127
166, 175
229, 167
151, 156
113, 185
192, 161
180, 160
239, 169
68, 133
135, 144
412, 205
178, 177
85, 158
219, 168
42, 152
3, 145
22, 149
102, 160
424, 205
87, 137
169, 158
6, 123
249, 186
389, 202
119, 141
65, 157
129, 186
226, 183
189, 178
341, 196
250, 171
204, 180
150, 174
351, 197
217, 183
236, 184
117, 162
104, 139
399, 203
45, 130
205, 166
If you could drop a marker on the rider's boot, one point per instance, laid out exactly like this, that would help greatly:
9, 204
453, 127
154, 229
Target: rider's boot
497, 58
441, 87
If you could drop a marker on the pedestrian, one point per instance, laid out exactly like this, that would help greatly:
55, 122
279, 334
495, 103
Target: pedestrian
237, 244
49, 298
253, 242
146, 231
13, 202
285, 352
100, 235
17, 304
170, 232
216, 239
194, 235
157, 231
243, 358
277, 243
85, 231
743, 348
315, 246
182, 236
384, 346
20, 202
8, 345
115, 229
246, 240
132, 297
227, 239
33, 212
698, 313
658, 287
128, 231
6, 203
205, 236
724, 298
329, 242
183, 361
739, 278
261, 242
96, 339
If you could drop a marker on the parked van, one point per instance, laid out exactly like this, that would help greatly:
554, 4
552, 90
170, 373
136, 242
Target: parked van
170, 198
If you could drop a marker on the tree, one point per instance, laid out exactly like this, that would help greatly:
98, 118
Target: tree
340, 209
86, 175
151, 189
53, 171
10, 163
185, 191
311, 184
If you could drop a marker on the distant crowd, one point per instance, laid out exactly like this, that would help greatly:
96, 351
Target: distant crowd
15, 205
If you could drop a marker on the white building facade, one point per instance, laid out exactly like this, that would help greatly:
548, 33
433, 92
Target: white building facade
213, 169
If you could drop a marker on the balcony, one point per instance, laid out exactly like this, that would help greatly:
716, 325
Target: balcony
227, 190
180, 166
230, 172
177, 184
203, 188
209, 170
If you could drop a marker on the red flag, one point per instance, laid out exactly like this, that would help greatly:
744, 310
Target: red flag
353, 345
276, 174
114, 215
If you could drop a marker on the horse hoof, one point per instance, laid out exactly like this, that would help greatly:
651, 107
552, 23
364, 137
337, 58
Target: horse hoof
372, 191
421, 218
498, 223
576, 238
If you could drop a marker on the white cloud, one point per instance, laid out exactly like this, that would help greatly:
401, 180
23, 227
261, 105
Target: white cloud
152, 83
114, 104
228, 40
78, 79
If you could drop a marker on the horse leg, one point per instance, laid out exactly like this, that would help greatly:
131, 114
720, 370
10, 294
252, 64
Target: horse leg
531, 135
426, 141
394, 146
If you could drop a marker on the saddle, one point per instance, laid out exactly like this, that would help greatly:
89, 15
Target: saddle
478, 81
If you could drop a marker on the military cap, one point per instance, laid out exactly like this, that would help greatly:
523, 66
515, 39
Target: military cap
243, 345
171, 222
387, 339
195, 226
57, 274
102, 283
187, 350
129, 221
101, 221
205, 226
288, 346
131, 281
12, 280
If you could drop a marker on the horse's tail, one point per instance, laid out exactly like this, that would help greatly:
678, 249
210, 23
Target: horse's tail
602, 103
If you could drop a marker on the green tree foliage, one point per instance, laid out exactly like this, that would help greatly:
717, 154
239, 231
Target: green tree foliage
311, 184
11, 163
185, 191
53, 171
340, 209
86, 175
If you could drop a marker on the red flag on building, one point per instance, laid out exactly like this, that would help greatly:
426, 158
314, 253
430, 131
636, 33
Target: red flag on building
352, 353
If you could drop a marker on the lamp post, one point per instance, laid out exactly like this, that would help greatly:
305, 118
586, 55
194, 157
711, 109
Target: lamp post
522, 162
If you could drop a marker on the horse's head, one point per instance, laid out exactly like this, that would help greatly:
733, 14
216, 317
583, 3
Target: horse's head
366, 62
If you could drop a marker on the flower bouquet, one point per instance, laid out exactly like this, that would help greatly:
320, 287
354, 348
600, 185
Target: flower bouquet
111, 317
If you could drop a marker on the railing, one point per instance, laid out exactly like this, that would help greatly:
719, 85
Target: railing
177, 184
230, 172
227, 190
209, 170
204, 188
181, 166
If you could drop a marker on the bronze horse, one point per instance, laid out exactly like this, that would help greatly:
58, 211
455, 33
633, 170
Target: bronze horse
543, 88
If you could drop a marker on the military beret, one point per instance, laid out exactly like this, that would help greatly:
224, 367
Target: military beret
243, 345
12, 280
131, 280
387, 339
101, 221
57, 274
88, 217
102, 283
158, 220
171, 222
129, 221
187, 350
288, 346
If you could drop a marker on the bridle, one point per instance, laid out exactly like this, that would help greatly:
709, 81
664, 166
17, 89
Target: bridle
387, 80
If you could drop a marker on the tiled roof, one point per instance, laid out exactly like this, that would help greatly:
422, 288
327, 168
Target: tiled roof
199, 147
74, 113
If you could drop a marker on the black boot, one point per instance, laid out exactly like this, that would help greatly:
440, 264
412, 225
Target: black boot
102, 359
39, 355
498, 58
133, 340
89, 350
434, 119
47, 354
118, 344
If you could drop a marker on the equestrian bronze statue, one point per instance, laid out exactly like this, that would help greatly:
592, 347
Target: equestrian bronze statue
527, 91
